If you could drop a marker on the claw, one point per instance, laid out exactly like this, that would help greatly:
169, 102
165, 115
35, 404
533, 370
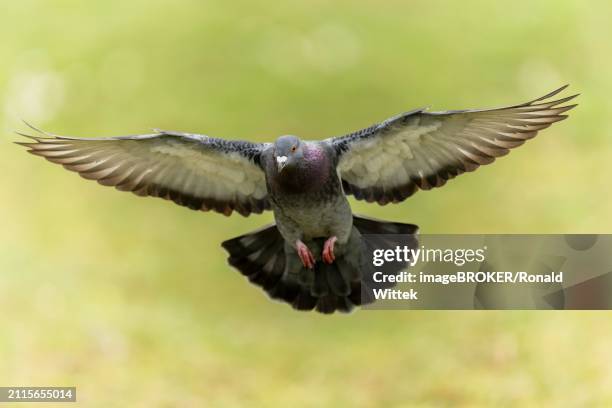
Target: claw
328, 250
305, 255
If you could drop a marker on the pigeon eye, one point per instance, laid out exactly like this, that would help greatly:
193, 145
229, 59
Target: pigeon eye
293, 149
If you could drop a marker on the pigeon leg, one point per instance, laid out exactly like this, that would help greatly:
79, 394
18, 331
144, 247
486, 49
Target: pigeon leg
305, 254
328, 249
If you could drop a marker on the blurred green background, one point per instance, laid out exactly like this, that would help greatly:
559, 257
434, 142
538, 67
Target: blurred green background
131, 300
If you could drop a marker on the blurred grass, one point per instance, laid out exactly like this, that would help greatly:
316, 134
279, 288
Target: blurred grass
131, 300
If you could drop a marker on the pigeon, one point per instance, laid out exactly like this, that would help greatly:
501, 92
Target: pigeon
314, 255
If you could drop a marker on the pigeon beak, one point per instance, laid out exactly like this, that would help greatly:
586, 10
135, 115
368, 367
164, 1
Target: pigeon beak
281, 162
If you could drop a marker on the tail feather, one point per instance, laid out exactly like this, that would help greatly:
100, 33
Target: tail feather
367, 225
304, 301
320, 287
337, 283
267, 261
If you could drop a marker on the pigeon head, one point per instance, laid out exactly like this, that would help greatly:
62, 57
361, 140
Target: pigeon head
288, 152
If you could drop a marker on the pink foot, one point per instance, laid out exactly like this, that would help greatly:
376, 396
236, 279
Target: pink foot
305, 254
328, 250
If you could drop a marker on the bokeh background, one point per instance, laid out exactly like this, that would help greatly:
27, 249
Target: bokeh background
131, 300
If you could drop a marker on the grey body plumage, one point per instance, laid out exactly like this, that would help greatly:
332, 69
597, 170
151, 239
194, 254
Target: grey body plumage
306, 195
313, 256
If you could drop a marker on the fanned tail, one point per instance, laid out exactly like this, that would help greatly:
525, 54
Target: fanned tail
269, 262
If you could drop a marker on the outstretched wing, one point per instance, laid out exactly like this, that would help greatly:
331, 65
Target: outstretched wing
390, 161
195, 171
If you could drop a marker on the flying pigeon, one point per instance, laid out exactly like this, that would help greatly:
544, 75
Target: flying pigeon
313, 256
